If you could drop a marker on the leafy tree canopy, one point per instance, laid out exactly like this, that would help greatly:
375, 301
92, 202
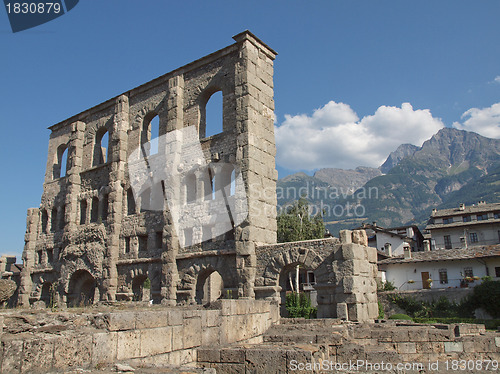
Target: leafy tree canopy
296, 223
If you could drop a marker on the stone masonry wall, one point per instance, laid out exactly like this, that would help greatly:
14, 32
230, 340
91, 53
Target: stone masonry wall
160, 336
344, 269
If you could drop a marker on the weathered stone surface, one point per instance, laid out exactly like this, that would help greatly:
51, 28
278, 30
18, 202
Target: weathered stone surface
7, 289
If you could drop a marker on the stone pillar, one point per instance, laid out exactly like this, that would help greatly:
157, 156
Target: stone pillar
170, 245
118, 159
28, 256
347, 285
75, 155
255, 154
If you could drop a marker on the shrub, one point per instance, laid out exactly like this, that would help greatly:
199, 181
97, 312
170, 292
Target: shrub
299, 306
381, 313
389, 286
487, 296
401, 316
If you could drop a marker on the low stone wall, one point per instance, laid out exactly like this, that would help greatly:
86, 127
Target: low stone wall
324, 346
50, 341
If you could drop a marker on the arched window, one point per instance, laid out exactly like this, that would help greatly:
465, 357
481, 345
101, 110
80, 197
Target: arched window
211, 116
209, 184
101, 147
190, 187
149, 135
94, 213
45, 219
61, 163
130, 202
105, 207
146, 199
53, 220
83, 212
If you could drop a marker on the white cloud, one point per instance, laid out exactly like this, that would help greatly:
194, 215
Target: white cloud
497, 79
334, 136
484, 121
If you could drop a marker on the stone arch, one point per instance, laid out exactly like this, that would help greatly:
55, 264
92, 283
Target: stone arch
101, 151
151, 109
81, 288
289, 257
209, 286
204, 97
201, 271
45, 293
60, 164
138, 287
147, 132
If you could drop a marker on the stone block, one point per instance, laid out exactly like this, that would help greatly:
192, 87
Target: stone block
450, 347
73, 351
342, 311
192, 332
430, 347
151, 319
12, 356
417, 334
382, 334
210, 336
121, 321
497, 342
235, 355
156, 341
229, 368
345, 236
360, 237
104, 347
265, 361
208, 354
350, 351
37, 355
128, 345
406, 348
438, 335
175, 317
211, 318
400, 335
177, 338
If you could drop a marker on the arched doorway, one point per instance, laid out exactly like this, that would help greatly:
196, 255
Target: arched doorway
81, 290
141, 287
209, 287
296, 277
45, 294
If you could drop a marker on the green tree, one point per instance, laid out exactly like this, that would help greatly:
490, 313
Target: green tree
296, 223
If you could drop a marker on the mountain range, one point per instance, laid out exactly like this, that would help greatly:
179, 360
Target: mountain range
452, 167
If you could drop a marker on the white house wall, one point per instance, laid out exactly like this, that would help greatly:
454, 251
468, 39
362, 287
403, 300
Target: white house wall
396, 242
401, 273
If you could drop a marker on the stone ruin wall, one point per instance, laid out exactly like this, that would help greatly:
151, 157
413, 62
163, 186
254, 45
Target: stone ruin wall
92, 236
345, 272
84, 231
158, 337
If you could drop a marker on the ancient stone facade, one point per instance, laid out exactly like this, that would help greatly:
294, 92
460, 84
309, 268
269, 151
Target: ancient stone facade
99, 235
94, 240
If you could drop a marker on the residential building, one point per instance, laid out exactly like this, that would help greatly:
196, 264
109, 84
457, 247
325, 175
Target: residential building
465, 226
442, 268
393, 241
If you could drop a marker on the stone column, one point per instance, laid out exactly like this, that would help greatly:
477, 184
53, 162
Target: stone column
170, 245
255, 154
75, 155
118, 159
28, 256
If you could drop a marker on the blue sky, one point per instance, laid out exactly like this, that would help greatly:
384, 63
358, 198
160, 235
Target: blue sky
351, 77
